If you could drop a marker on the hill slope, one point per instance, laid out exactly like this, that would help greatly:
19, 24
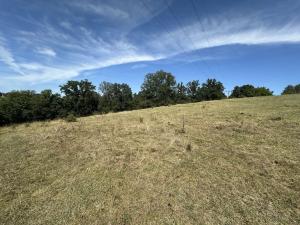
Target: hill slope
236, 163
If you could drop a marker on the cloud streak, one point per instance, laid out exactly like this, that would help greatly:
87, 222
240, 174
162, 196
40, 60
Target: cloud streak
101, 10
220, 32
7, 58
46, 51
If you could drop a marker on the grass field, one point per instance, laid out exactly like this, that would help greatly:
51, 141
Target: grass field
236, 162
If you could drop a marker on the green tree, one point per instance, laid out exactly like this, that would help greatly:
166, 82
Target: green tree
115, 97
297, 89
16, 107
80, 97
212, 90
247, 90
22, 106
181, 93
138, 101
4, 117
158, 89
193, 91
263, 91
46, 105
236, 93
290, 89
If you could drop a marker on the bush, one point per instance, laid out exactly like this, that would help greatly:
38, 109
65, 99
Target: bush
71, 118
250, 91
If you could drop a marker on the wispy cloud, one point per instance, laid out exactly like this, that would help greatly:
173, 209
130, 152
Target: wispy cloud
125, 15
219, 32
193, 58
46, 51
75, 46
7, 57
139, 66
66, 25
104, 53
101, 9
38, 73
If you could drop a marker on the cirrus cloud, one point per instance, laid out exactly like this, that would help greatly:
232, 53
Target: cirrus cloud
46, 51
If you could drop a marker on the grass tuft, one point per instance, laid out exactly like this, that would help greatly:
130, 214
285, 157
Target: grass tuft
141, 120
189, 147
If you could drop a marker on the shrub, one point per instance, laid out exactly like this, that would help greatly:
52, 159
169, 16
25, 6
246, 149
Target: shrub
70, 118
250, 91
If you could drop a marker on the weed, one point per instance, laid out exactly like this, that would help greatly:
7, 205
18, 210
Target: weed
276, 118
189, 147
180, 131
220, 127
126, 219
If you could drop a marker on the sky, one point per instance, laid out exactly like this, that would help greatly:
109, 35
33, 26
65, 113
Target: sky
45, 43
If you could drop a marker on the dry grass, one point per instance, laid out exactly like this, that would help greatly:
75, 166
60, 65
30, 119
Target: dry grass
237, 162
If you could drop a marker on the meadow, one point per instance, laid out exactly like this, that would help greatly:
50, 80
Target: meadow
233, 161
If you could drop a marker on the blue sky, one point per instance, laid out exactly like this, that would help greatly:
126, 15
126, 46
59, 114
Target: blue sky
45, 43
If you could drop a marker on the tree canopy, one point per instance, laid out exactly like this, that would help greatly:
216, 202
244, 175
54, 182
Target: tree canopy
249, 90
212, 90
115, 97
80, 97
193, 90
290, 89
158, 88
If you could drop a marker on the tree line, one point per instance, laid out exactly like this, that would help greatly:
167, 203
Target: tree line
290, 89
81, 98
